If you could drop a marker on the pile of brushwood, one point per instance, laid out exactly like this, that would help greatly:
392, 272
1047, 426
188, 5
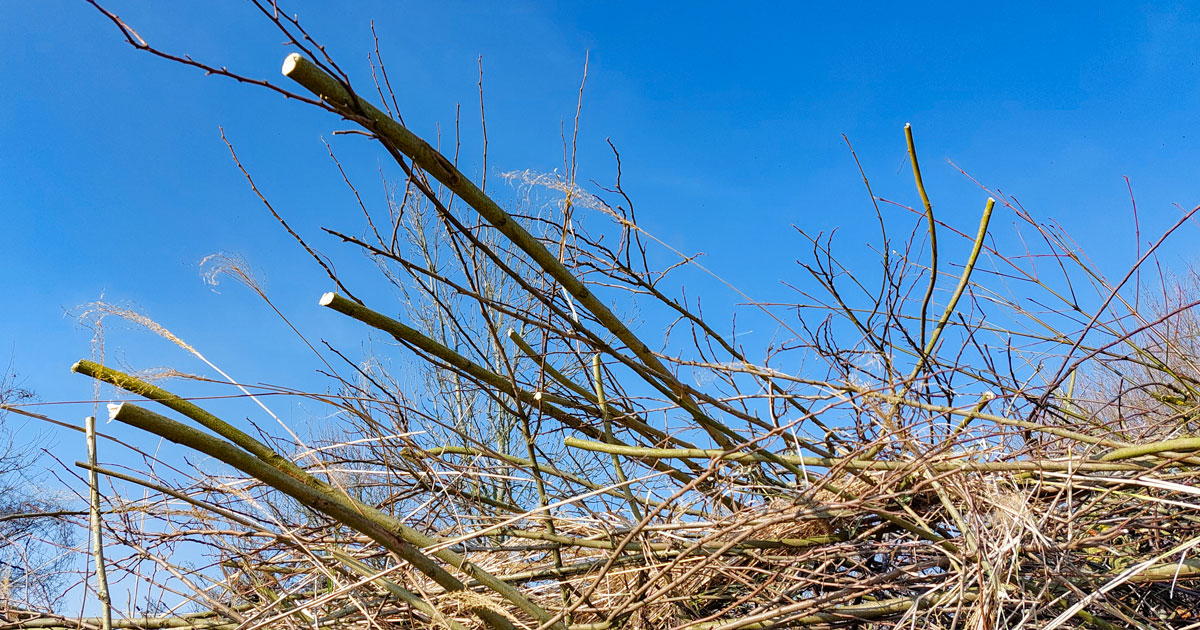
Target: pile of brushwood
931, 444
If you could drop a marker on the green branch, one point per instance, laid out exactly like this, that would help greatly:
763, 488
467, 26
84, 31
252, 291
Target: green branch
397, 136
851, 464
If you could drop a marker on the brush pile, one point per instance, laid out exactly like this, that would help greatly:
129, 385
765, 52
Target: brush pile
917, 448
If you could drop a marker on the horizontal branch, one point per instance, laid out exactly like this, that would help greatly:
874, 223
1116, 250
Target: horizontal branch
852, 464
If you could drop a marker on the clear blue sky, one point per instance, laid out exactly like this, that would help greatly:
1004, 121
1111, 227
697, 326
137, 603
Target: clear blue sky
115, 182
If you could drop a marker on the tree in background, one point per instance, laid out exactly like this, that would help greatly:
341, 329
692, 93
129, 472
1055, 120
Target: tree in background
34, 536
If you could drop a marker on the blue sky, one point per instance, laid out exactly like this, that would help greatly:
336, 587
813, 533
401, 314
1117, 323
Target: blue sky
729, 120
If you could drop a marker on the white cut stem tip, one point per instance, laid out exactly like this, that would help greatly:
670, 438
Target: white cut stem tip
114, 409
327, 299
289, 64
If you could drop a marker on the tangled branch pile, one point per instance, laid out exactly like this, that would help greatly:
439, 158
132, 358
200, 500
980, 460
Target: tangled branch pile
912, 450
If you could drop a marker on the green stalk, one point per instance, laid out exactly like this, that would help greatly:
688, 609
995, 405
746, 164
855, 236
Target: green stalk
397, 136
963, 280
852, 464
933, 249
759, 543
927, 350
407, 334
1154, 448
140, 387
389, 532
